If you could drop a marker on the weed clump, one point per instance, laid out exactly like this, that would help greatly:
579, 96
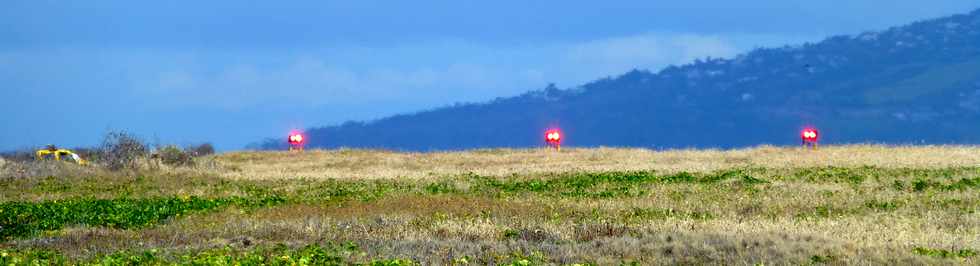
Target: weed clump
535, 234
879, 205
837, 174
440, 188
645, 214
921, 185
120, 150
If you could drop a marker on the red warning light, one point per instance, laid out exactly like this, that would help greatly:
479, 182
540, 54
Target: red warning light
810, 137
296, 138
296, 141
553, 138
810, 134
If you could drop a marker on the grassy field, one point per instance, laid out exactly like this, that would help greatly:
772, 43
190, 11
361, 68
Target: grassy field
767, 205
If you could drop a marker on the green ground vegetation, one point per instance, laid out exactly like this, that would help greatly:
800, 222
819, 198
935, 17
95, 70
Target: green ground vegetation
812, 215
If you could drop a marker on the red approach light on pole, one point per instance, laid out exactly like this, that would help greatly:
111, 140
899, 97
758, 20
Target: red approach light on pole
810, 137
296, 141
553, 138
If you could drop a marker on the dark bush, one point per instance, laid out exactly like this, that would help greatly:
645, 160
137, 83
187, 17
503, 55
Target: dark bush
174, 156
121, 150
201, 150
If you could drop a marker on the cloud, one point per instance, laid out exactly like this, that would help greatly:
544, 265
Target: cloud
312, 82
614, 56
653, 51
456, 71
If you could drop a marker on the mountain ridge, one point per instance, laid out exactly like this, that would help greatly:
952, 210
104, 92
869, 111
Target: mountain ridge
914, 83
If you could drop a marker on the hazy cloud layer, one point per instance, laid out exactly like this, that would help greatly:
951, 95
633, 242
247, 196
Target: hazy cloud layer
462, 72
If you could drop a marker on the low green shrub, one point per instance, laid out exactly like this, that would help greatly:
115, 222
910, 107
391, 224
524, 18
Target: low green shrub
441, 188
920, 185
328, 254
20, 219
945, 254
878, 205
601, 184
645, 214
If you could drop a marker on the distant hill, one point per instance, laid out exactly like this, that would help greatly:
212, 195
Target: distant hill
918, 83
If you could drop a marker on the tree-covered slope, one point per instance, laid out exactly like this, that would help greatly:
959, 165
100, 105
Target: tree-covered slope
914, 83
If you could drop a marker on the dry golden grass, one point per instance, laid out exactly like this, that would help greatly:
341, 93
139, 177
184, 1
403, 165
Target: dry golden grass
371, 164
799, 213
435, 230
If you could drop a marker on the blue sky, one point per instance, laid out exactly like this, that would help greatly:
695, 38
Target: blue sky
233, 72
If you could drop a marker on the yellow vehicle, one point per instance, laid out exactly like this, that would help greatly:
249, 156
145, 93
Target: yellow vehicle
53, 153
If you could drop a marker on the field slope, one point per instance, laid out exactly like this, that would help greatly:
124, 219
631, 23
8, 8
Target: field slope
858, 204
